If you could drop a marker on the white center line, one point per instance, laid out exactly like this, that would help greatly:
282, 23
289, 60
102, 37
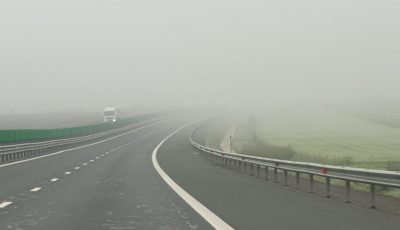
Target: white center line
76, 168
36, 189
66, 173
54, 180
5, 204
84, 164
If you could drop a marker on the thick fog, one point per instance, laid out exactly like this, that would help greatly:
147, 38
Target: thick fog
66, 54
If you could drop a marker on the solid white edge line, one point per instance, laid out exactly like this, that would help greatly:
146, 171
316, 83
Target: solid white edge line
5, 204
202, 210
83, 146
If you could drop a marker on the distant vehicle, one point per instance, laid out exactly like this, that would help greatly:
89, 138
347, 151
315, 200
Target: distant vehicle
110, 114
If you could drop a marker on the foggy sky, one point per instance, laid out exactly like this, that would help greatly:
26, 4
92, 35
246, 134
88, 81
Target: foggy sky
58, 54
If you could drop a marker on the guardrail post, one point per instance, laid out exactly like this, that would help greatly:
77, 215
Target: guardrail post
286, 177
328, 187
347, 191
258, 171
275, 175
298, 180
266, 172
311, 183
245, 167
240, 166
251, 169
372, 190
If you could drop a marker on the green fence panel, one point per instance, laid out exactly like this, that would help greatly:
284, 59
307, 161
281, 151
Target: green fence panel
25, 135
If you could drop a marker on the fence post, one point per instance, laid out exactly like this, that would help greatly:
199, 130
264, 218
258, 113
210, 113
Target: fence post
328, 187
286, 177
275, 175
347, 191
372, 190
297, 180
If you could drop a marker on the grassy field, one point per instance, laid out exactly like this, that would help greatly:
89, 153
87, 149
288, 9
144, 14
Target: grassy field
323, 135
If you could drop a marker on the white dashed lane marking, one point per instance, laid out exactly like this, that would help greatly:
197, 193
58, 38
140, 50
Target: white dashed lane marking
54, 180
84, 164
66, 173
36, 189
91, 160
97, 157
5, 204
76, 168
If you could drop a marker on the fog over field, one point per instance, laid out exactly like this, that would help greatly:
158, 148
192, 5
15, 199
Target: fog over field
81, 54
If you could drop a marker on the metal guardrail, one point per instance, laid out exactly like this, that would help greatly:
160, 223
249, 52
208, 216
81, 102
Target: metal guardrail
241, 162
14, 152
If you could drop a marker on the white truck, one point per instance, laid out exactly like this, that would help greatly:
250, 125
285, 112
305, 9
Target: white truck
110, 114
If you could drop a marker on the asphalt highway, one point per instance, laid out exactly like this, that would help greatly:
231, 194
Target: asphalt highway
115, 185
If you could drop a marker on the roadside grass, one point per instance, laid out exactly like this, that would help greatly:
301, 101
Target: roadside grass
323, 135
215, 131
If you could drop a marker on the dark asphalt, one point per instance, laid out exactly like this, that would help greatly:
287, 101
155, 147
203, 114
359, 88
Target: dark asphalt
118, 191
246, 202
121, 190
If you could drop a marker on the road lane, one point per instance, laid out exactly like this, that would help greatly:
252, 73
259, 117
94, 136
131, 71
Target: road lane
120, 190
245, 202
20, 176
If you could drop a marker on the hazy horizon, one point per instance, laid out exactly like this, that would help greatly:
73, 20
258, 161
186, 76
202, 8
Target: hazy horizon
60, 55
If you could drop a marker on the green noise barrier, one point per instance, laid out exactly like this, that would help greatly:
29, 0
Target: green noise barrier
31, 135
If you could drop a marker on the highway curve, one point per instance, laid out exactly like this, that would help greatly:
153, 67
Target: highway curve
111, 185
115, 185
245, 202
